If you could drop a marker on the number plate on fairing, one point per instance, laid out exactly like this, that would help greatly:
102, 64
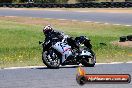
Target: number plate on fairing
62, 47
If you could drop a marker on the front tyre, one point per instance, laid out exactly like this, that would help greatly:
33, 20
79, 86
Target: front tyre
51, 59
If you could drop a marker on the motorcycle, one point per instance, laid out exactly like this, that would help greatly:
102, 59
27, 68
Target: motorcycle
60, 52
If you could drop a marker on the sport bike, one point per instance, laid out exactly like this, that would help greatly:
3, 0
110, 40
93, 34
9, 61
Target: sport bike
58, 52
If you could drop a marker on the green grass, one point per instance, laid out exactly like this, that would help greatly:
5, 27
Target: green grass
19, 40
19, 44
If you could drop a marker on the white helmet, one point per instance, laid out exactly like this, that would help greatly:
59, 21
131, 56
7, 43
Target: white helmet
47, 28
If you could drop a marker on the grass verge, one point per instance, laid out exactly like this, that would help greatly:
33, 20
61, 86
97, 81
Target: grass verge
19, 38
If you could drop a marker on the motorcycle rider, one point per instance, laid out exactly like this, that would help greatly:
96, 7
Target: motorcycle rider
50, 33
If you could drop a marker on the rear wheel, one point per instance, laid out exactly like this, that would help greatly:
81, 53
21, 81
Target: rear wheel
89, 62
51, 59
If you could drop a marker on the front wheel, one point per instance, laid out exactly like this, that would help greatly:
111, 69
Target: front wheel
51, 59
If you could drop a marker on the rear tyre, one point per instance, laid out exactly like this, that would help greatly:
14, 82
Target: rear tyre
86, 62
51, 59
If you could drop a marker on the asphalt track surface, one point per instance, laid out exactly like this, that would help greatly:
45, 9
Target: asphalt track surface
65, 77
113, 18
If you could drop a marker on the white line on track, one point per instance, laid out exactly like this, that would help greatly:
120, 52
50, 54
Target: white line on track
129, 62
97, 22
128, 25
62, 19
24, 67
74, 20
116, 63
116, 24
106, 23
63, 66
87, 21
